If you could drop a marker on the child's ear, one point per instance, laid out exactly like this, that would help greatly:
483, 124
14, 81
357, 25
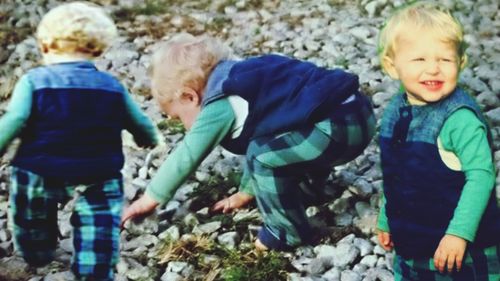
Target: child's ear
388, 65
190, 95
463, 62
43, 48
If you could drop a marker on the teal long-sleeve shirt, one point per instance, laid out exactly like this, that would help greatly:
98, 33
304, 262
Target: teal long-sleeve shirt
19, 110
211, 126
465, 136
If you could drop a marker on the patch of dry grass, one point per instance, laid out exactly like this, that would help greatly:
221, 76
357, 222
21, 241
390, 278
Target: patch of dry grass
233, 265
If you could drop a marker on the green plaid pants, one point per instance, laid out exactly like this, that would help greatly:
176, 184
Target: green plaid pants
95, 220
478, 265
288, 170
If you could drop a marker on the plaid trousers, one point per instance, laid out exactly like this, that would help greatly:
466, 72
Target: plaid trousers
95, 220
478, 265
288, 171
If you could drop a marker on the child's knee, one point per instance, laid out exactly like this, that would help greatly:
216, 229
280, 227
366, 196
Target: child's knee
35, 239
93, 272
36, 257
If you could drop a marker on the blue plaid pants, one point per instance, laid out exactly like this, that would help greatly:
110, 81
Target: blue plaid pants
95, 220
288, 171
479, 264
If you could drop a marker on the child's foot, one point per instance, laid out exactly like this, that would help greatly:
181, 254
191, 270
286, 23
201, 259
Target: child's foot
259, 246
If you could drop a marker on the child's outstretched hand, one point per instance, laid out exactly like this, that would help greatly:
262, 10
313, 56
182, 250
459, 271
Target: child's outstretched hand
384, 238
141, 207
235, 201
450, 251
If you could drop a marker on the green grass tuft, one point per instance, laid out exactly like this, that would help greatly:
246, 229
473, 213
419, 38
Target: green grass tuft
252, 266
148, 8
173, 126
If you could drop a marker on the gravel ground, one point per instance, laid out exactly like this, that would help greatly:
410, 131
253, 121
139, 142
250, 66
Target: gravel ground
328, 32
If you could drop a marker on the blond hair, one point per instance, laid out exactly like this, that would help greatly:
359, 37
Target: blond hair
185, 61
419, 15
77, 27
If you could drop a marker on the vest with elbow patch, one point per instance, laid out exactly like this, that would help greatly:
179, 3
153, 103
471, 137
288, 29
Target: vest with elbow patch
282, 94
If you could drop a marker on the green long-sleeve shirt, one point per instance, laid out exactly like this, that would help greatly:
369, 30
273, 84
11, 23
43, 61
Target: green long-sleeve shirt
211, 126
465, 136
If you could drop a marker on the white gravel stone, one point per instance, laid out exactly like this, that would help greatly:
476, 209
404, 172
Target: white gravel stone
361, 187
381, 98
183, 192
229, 239
191, 220
301, 263
378, 274
359, 268
339, 205
379, 250
364, 246
369, 260
332, 275
172, 233
317, 266
4, 235
247, 214
343, 219
344, 255
494, 116
207, 228
60, 276
349, 275
171, 276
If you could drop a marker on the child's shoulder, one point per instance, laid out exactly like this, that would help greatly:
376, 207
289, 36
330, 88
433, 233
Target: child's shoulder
460, 99
76, 73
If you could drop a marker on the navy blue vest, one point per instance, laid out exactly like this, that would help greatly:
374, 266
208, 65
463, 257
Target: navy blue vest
421, 191
74, 129
282, 94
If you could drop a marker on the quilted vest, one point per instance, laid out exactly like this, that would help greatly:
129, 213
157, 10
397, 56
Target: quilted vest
421, 191
74, 129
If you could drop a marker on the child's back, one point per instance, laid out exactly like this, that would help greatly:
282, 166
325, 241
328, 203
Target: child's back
69, 116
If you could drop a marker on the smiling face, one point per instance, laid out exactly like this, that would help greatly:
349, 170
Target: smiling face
427, 66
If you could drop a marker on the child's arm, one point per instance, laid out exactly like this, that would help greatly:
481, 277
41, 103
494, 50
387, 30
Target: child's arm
17, 114
210, 127
384, 235
212, 124
466, 136
240, 199
139, 125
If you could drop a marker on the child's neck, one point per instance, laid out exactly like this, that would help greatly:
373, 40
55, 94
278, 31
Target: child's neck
413, 101
52, 58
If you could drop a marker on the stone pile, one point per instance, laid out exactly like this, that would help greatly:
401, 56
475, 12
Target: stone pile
331, 33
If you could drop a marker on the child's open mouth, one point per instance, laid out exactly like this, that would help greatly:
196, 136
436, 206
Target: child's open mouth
432, 85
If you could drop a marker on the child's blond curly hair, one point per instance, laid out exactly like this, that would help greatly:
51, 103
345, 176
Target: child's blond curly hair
77, 27
417, 15
185, 61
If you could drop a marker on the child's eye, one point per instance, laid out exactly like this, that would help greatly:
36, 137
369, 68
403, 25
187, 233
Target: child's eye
446, 60
418, 59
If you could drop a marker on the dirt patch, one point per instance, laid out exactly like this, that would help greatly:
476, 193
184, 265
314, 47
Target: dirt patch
14, 269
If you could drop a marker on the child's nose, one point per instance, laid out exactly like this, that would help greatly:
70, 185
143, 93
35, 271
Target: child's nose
432, 67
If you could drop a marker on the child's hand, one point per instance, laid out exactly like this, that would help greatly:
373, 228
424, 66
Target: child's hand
234, 201
450, 251
384, 238
142, 207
